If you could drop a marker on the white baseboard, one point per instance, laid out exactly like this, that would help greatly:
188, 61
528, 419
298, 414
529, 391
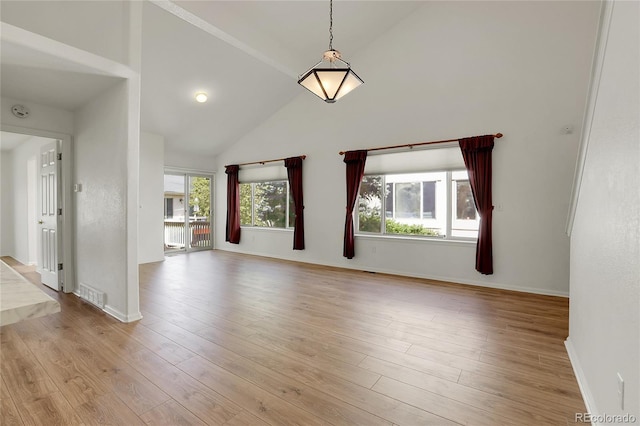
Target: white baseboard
581, 378
120, 316
455, 280
114, 312
499, 286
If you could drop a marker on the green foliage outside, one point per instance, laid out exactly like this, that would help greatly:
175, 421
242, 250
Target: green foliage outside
370, 204
393, 227
371, 223
200, 197
269, 204
370, 207
245, 204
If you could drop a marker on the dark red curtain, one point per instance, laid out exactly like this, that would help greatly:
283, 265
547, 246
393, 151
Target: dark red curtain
476, 152
294, 173
355, 161
233, 204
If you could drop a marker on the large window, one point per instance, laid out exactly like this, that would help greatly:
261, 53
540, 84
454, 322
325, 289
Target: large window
266, 204
434, 204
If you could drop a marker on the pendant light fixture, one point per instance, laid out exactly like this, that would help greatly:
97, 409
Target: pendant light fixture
331, 78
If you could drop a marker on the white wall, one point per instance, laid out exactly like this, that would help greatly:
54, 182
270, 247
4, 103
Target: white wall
41, 117
604, 325
101, 150
6, 207
16, 199
182, 160
95, 26
151, 209
452, 69
106, 133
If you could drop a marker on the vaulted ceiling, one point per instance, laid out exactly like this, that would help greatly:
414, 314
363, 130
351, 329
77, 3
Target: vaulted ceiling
246, 55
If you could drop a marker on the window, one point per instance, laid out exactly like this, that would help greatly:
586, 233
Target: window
266, 204
168, 208
187, 211
433, 204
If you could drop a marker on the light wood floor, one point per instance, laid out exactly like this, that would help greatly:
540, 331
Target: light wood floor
240, 340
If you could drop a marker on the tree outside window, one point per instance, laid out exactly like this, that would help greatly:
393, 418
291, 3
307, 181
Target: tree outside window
266, 204
200, 197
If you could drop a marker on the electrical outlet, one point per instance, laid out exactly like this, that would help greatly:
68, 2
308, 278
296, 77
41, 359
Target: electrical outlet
621, 391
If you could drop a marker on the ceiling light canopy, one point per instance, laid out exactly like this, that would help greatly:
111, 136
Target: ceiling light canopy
201, 97
332, 77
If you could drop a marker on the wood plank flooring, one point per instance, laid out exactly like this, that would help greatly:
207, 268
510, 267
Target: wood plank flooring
230, 339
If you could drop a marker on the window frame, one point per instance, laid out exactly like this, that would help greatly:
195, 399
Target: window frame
449, 210
168, 207
288, 225
459, 224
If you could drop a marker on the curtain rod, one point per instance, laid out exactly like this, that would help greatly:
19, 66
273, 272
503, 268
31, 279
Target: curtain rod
267, 161
411, 145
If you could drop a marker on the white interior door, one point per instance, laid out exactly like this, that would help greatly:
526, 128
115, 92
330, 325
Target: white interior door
48, 216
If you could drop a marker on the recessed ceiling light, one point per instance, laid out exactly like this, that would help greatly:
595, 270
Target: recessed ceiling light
201, 97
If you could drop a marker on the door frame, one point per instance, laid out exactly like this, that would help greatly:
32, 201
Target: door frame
196, 173
47, 214
66, 256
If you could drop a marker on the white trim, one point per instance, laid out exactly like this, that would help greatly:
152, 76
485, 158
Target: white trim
454, 280
265, 229
68, 218
133, 87
32, 132
86, 60
471, 242
132, 195
135, 316
186, 173
589, 401
596, 74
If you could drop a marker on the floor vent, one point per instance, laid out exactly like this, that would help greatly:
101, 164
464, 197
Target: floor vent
91, 295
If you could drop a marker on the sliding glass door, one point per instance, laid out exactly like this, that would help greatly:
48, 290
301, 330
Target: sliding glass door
187, 212
199, 231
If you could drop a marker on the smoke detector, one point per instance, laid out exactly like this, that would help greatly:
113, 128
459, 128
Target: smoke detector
20, 111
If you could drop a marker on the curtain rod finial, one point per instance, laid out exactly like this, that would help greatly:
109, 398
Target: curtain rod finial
499, 135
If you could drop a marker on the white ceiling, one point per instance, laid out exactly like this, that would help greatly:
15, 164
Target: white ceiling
34, 76
245, 54
8, 140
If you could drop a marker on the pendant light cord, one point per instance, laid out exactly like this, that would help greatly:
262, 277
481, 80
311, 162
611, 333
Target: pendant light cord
330, 24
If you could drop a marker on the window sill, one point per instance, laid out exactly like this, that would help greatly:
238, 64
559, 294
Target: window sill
265, 229
420, 240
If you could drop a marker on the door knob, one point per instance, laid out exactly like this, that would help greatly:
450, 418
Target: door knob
40, 222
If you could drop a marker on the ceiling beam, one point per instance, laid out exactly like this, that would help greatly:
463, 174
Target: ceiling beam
209, 28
